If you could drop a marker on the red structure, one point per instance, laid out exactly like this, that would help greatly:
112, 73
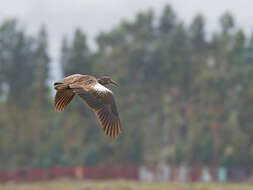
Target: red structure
60, 172
127, 173
110, 173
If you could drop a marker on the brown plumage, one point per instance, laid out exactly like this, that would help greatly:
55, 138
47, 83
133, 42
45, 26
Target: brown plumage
95, 94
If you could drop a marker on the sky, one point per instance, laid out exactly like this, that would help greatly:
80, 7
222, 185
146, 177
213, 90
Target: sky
61, 17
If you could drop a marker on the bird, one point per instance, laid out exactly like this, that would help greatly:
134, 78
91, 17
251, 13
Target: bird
93, 92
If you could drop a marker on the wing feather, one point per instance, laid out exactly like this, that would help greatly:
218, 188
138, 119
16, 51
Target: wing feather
62, 99
103, 104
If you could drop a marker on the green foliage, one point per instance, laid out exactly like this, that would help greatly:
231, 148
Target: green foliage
78, 59
227, 22
197, 33
91, 157
167, 20
16, 62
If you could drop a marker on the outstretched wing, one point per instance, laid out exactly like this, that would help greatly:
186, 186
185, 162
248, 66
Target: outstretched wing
101, 101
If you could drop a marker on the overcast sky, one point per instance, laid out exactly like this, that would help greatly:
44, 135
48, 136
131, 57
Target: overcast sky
63, 16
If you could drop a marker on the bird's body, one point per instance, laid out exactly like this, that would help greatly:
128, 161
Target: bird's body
95, 94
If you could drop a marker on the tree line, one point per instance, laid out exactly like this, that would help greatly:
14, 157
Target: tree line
185, 95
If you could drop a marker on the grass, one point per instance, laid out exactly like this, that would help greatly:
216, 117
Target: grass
121, 185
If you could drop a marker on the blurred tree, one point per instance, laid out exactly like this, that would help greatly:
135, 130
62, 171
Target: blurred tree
78, 56
197, 33
185, 99
40, 91
16, 61
227, 23
65, 53
167, 21
18, 76
91, 157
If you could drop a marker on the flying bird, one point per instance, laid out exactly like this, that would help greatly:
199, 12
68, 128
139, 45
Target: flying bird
95, 94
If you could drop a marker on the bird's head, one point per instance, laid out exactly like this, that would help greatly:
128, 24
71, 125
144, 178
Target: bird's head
107, 80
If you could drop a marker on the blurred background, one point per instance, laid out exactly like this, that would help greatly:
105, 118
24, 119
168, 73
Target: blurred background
185, 69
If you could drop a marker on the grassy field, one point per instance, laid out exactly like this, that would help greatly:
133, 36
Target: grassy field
121, 185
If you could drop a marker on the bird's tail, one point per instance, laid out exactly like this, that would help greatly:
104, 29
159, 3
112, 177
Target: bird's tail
60, 86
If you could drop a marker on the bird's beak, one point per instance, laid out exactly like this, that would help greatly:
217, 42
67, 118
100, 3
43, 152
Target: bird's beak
114, 83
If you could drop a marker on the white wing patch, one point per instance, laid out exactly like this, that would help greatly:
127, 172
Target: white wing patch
101, 88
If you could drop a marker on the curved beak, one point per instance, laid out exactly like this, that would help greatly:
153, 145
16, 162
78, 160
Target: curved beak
114, 83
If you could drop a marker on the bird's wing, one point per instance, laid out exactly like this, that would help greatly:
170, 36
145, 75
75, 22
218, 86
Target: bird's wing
103, 104
62, 99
